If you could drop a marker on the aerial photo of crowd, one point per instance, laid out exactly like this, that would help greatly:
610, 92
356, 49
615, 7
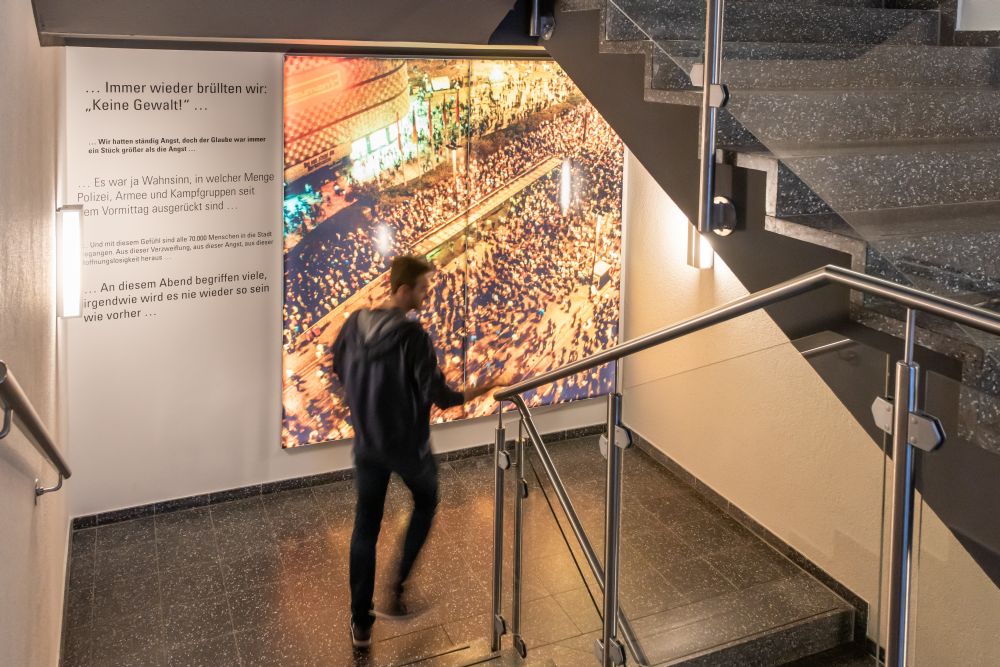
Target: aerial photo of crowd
523, 225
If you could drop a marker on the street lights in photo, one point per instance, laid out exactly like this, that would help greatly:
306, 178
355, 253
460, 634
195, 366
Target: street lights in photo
565, 186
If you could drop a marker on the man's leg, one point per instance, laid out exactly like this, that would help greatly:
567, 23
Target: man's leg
371, 481
423, 484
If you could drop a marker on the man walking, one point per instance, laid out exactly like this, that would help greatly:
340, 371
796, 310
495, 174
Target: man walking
389, 370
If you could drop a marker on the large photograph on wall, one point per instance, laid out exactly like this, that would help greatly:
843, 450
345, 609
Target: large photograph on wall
497, 171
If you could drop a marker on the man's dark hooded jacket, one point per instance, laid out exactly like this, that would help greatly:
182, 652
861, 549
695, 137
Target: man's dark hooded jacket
391, 377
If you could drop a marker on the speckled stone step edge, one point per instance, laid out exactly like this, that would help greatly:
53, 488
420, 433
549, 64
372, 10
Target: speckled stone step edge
766, 66
870, 116
959, 244
795, 641
761, 21
859, 605
785, 194
876, 181
177, 504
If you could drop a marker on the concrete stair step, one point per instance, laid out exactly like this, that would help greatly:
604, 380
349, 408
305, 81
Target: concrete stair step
765, 21
793, 618
835, 117
952, 250
889, 177
769, 66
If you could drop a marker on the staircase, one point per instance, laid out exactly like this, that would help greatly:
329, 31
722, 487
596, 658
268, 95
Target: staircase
876, 142
859, 134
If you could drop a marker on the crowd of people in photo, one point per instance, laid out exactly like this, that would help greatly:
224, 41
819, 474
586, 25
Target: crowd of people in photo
327, 268
530, 286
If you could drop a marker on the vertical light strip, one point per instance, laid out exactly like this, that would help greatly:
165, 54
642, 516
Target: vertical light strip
565, 187
700, 253
70, 262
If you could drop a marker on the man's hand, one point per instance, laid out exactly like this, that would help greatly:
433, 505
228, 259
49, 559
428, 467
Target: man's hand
505, 379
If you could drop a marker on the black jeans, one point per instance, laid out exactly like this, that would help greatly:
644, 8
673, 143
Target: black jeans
372, 480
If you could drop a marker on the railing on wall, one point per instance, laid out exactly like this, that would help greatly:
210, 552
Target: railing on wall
17, 406
909, 429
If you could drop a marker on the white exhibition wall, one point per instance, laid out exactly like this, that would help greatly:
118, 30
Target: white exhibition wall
173, 378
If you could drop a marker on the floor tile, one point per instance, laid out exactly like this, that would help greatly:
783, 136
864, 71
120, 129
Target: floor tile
545, 622
644, 591
695, 579
118, 598
195, 620
129, 560
251, 570
263, 580
581, 608
271, 646
749, 565
77, 646
79, 606
468, 629
410, 647
709, 536
188, 551
125, 534
135, 639
183, 524
191, 583
82, 572
218, 651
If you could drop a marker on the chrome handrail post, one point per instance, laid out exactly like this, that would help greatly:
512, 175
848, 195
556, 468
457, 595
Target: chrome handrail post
901, 513
501, 462
611, 649
714, 14
520, 494
593, 562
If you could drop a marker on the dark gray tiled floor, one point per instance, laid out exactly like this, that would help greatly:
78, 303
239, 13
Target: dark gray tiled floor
263, 580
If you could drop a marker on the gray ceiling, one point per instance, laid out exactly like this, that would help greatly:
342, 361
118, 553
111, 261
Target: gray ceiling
268, 23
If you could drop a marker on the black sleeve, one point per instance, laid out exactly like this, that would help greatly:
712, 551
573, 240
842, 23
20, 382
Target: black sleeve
338, 350
427, 375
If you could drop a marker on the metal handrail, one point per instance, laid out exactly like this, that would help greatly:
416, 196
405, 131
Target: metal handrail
978, 318
16, 405
577, 526
904, 409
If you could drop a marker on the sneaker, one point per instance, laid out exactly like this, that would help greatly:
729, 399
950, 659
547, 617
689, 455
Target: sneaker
361, 637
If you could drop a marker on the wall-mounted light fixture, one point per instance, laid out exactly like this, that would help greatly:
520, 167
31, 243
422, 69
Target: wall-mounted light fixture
69, 260
700, 253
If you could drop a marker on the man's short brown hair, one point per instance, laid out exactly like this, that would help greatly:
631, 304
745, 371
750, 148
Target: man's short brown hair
406, 269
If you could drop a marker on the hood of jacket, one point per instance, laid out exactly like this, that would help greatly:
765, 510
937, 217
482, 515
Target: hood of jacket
380, 329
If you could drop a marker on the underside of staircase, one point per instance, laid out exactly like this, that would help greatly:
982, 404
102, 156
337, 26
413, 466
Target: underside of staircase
853, 135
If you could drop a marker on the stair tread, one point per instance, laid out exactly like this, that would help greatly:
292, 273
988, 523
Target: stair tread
765, 21
903, 222
805, 51
867, 116
884, 148
739, 618
883, 180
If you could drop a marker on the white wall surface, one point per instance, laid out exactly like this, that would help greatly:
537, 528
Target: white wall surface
979, 15
33, 546
188, 402
740, 408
